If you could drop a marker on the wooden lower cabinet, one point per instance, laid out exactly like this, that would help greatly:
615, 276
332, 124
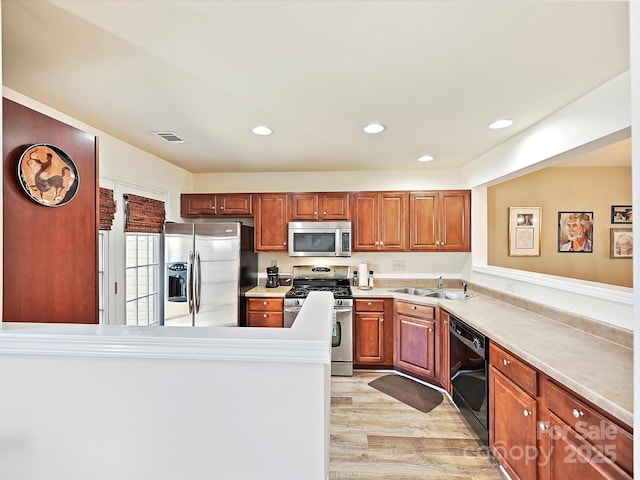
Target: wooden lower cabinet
415, 339
443, 359
512, 426
265, 312
541, 430
579, 442
373, 332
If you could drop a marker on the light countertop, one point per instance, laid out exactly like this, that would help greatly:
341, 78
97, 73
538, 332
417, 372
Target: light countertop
597, 369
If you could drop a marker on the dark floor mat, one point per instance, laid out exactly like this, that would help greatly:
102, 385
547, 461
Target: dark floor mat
407, 391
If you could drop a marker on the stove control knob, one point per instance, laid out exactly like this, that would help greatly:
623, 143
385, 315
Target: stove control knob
476, 344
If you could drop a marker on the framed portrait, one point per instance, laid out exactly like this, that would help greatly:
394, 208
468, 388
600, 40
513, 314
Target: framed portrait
621, 243
621, 214
524, 231
575, 232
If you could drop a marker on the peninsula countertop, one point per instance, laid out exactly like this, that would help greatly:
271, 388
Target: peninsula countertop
597, 369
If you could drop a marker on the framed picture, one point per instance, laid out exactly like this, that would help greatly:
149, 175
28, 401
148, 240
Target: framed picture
524, 231
575, 232
621, 214
621, 243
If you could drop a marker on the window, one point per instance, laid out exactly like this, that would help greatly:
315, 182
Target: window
142, 279
103, 236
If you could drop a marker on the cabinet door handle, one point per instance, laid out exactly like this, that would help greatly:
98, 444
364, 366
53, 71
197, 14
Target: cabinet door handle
324, 213
430, 329
381, 319
222, 208
506, 362
577, 413
315, 213
526, 413
543, 426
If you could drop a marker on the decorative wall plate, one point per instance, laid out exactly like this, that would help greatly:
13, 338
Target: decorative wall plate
48, 175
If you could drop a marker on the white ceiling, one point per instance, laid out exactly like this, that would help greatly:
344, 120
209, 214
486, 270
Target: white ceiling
435, 72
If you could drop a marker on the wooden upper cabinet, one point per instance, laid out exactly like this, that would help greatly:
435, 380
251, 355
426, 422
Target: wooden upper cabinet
215, 204
379, 221
440, 221
320, 206
271, 221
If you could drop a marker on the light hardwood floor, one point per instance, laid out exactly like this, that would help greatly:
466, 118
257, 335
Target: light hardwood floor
374, 436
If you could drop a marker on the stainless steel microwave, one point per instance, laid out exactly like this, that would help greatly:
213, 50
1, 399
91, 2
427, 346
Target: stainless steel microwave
319, 239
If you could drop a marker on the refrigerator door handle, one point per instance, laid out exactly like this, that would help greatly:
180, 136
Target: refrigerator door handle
190, 282
198, 282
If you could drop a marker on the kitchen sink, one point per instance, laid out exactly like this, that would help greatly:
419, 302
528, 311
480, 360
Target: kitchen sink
414, 291
456, 295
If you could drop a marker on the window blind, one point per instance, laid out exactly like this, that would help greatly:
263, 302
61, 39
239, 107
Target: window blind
107, 208
143, 215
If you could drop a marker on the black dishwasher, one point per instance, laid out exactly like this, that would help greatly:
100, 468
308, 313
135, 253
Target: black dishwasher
469, 357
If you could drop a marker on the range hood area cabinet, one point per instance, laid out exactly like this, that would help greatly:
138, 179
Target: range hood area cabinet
330, 206
403, 221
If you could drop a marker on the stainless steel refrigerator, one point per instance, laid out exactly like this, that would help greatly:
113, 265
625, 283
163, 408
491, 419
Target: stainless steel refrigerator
207, 269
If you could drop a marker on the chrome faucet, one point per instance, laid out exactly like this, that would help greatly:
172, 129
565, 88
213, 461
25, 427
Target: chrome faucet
440, 283
464, 287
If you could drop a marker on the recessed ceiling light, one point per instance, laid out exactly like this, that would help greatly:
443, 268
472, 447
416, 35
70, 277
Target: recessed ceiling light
502, 123
426, 158
374, 128
262, 130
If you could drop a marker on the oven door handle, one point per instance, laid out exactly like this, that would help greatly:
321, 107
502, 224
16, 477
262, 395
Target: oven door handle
292, 309
343, 310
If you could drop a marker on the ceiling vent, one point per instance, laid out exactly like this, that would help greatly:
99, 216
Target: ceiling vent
171, 137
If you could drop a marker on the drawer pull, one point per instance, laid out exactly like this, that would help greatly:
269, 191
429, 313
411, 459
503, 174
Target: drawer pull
526, 413
506, 362
543, 426
413, 307
577, 413
265, 315
369, 304
264, 303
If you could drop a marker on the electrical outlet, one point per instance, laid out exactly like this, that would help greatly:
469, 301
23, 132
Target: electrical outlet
511, 287
398, 265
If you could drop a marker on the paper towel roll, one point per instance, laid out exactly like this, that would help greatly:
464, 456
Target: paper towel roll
363, 274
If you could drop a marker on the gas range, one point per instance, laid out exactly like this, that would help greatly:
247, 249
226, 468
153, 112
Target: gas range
334, 279
305, 279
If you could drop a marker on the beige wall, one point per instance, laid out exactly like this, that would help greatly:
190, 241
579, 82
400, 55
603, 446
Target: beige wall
555, 189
